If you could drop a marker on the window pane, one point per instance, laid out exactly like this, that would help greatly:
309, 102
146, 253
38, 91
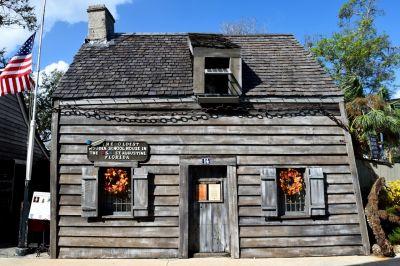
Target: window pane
217, 84
216, 62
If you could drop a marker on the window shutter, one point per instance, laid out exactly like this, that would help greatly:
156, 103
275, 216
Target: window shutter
269, 195
316, 190
140, 193
90, 187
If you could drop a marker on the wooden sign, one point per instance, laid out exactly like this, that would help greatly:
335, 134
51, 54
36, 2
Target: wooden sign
118, 151
374, 147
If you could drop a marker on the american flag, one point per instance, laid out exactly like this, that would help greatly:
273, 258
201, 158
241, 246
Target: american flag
15, 76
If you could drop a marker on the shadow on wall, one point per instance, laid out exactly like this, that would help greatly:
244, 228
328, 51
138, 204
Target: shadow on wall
367, 177
369, 171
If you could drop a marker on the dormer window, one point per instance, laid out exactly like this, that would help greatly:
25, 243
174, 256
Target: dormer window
217, 68
217, 72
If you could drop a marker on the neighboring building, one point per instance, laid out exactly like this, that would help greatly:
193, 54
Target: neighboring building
13, 145
223, 118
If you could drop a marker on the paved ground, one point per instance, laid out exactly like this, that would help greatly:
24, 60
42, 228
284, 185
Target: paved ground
319, 261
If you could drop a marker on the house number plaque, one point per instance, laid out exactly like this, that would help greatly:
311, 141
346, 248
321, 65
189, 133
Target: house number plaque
102, 150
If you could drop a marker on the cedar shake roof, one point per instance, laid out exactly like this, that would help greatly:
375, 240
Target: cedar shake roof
211, 41
161, 65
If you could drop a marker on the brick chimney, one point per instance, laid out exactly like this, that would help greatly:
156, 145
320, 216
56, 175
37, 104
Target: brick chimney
101, 23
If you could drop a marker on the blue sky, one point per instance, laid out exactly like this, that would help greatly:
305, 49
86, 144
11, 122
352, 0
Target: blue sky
67, 27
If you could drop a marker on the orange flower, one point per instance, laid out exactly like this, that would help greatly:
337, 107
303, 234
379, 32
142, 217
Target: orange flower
291, 181
116, 181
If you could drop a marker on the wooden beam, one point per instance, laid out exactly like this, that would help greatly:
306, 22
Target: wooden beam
356, 182
54, 182
183, 251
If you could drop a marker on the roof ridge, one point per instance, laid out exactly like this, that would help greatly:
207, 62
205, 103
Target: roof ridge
214, 33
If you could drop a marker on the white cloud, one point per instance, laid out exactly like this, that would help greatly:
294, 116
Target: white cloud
70, 11
396, 95
60, 65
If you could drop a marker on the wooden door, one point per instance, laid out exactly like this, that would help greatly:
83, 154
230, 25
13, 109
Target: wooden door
209, 210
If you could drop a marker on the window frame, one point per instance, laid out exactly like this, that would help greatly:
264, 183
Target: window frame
282, 212
102, 194
208, 181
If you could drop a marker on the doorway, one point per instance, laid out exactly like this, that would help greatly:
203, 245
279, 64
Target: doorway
208, 185
208, 211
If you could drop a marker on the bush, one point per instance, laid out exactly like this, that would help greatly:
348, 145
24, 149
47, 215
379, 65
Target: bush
393, 191
394, 236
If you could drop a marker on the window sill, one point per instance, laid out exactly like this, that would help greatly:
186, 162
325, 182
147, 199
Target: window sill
295, 216
111, 217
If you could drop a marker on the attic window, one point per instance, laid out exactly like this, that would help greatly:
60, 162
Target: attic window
217, 72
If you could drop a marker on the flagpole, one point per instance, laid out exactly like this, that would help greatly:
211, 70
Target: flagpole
22, 248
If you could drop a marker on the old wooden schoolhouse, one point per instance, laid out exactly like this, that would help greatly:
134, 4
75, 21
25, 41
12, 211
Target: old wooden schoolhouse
189, 144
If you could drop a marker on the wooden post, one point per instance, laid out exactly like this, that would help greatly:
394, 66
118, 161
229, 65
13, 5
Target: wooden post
356, 182
54, 181
233, 211
183, 211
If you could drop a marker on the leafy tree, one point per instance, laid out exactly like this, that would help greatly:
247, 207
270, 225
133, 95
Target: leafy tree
16, 13
48, 84
242, 27
362, 62
357, 56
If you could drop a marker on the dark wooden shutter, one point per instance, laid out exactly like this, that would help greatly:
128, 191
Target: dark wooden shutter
90, 191
269, 195
316, 184
140, 192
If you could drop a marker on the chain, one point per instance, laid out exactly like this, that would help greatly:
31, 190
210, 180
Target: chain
208, 113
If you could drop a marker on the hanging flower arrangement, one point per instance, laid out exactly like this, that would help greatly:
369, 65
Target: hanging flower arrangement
291, 181
116, 181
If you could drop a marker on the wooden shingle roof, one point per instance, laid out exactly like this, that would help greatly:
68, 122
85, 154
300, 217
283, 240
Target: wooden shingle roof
142, 65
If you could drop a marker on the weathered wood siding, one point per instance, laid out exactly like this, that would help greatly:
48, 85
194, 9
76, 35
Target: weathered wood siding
297, 141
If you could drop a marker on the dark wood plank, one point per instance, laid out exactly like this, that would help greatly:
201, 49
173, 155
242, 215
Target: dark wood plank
301, 121
118, 242
125, 232
78, 151
247, 137
298, 231
54, 181
356, 183
301, 252
112, 253
331, 219
314, 241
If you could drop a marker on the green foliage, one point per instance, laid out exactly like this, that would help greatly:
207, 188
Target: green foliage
394, 236
17, 12
393, 189
48, 84
372, 115
362, 62
2, 59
